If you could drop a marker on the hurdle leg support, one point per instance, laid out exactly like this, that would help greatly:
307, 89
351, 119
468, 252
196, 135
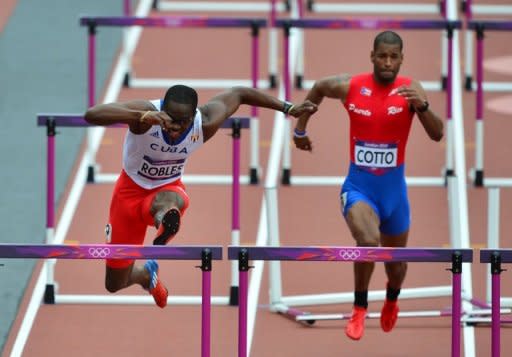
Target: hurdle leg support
243, 268
456, 303
495, 309
206, 268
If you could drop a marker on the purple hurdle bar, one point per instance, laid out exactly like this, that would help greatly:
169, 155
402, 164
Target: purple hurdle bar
110, 251
77, 120
369, 24
495, 257
480, 27
351, 254
105, 251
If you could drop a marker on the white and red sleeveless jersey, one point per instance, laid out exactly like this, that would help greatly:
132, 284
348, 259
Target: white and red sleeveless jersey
152, 159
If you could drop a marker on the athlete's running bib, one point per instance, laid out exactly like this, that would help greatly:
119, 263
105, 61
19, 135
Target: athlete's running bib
375, 155
160, 169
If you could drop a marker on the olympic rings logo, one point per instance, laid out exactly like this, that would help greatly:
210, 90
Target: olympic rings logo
349, 254
99, 252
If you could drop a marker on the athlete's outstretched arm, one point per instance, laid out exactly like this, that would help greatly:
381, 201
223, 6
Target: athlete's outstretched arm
140, 115
120, 112
416, 96
335, 87
133, 113
222, 106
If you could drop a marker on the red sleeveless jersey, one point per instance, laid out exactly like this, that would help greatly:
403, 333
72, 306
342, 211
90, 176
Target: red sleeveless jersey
380, 122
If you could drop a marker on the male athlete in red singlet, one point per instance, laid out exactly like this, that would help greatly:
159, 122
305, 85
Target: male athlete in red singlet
161, 136
381, 106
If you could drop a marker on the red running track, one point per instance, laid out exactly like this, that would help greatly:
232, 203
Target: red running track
308, 216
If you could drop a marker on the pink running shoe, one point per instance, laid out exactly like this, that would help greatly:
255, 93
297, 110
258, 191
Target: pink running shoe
156, 288
355, 326
389, 315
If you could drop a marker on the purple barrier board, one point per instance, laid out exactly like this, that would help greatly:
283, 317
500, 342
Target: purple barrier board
505, 255
107, 251
490, 25
351, 254
370, 24
172, 21
76, 120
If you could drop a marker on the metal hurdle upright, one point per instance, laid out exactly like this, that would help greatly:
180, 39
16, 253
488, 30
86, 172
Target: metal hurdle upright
255, 24
339, 254
51, 122
205, 254
494, 258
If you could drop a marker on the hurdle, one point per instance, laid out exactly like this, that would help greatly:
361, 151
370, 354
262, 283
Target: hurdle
454, 180
470, 8
494, 258
205, 254
255, 24
479, 28
366, 24
52, 121
492, 184
347, 254
366, 8
271, 7
363, 9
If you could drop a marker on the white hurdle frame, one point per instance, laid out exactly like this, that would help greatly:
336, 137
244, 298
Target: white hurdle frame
130, 39
457, 198
315, 6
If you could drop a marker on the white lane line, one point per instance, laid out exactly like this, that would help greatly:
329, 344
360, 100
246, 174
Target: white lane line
74, 197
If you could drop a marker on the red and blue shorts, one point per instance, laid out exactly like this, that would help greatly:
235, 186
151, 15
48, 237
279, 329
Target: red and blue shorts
130, 213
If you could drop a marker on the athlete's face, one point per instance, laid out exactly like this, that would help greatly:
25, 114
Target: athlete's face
181, 117
386, 59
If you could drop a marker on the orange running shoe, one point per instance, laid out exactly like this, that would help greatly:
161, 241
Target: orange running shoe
355, 326
156, 288
389, 315
169, 226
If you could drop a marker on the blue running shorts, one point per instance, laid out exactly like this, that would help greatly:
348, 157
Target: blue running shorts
386, 193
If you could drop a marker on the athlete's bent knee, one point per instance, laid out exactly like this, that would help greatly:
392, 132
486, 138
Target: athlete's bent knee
112, 285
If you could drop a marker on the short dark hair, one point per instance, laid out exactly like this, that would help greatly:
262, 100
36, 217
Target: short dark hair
389, 37
181, 94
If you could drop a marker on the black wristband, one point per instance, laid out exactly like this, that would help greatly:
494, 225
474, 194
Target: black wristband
287, 106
